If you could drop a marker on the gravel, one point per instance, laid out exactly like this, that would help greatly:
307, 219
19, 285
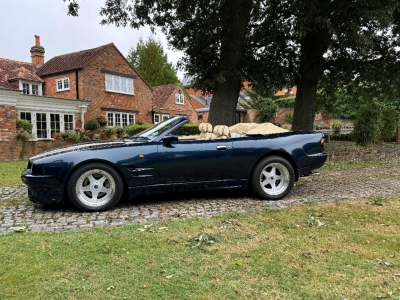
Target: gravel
339, 183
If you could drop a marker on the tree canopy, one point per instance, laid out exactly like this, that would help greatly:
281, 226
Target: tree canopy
271, 43
149, 59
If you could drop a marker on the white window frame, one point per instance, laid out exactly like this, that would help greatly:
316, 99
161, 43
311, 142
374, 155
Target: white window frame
119, 84
30, 85
164, 117
179, 99
124, 118
64, 83
156, 116
48, 122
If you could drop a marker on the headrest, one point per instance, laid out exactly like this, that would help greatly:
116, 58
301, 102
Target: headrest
221, 130
205, 127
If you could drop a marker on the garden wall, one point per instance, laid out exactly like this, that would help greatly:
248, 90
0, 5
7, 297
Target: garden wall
348, 151
337, 150
11, 150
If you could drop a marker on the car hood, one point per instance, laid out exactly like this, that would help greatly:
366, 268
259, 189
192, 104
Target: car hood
76, 148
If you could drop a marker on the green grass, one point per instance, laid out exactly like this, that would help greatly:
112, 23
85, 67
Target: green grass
345, 250
10, 172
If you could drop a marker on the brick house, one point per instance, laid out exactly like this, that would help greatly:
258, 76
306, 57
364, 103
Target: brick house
103, 75
201, 102
171, 100
22, 97
62, 93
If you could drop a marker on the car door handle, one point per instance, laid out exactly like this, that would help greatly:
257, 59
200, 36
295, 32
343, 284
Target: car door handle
221, 148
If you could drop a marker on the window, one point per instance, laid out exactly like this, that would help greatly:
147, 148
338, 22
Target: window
26, 116
68, 122
46, 124
30, 88
110, 118
120, 119
164, 117
124, 119
55, 123
156, 118
119, 84
179, 99
62, 84
25, 88
35, 89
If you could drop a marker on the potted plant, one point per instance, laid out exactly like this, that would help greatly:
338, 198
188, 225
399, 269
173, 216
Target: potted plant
336, 126
120, 131
109, 133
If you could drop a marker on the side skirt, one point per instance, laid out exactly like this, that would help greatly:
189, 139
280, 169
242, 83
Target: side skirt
187, 187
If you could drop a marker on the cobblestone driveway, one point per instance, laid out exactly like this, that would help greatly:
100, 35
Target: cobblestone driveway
330, 185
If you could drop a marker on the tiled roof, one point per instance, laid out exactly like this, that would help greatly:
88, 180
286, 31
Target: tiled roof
203, 100
162, 93
11, 70
70, 61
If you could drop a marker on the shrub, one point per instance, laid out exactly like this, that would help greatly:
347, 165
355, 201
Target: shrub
266, 109
367, 126
71, 136
285, 101
133, 129
23, 136
289, 118
119, 130
92, 124
390, 118
187, 129
24, 125
110, 131
102, 121
336, 125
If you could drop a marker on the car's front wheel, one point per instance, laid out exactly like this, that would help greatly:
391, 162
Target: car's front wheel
272, 178
95, 187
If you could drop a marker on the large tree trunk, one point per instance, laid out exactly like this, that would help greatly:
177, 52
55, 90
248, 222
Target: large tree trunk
235, 16
311, 69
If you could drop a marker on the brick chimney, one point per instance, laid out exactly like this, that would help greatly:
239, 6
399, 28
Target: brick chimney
37, 52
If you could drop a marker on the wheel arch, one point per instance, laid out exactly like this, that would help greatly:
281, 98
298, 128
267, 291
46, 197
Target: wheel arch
284, 155
95, 160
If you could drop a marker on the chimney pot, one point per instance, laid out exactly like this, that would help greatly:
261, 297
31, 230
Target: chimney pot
37, 40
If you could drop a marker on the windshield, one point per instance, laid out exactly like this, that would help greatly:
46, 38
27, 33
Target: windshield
153, 132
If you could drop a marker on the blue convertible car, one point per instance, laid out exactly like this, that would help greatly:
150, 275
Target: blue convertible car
95, 176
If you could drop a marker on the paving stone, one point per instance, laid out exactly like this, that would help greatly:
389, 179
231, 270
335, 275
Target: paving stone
329, 186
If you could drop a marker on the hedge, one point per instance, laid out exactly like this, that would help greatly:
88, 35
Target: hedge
187, 129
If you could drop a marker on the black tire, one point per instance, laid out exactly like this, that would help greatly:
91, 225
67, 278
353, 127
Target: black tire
272, 178
95, 187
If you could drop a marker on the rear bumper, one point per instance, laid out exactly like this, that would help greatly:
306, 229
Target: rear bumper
313, 162
43, 189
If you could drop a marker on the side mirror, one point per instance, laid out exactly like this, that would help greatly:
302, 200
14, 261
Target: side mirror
169, 139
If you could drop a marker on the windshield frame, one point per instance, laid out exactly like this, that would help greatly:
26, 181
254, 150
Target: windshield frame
158, 131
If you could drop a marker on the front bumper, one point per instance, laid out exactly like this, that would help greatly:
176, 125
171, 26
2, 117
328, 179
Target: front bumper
43, 189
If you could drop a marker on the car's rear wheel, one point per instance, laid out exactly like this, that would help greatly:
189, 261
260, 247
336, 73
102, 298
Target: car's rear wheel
95, 187
272, 178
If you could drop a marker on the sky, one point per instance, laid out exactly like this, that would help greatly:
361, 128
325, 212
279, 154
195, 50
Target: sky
61, 34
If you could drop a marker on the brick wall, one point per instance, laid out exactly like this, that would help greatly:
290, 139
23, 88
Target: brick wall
171, 108
10, 150
336, 150
50, 85
94, 88
8, 119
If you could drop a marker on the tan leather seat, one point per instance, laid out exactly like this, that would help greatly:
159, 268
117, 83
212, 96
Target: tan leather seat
221, 131
205, 131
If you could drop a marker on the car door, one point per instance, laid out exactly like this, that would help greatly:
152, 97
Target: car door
194, 161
